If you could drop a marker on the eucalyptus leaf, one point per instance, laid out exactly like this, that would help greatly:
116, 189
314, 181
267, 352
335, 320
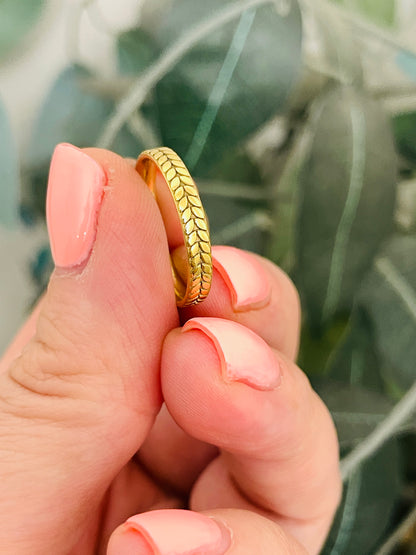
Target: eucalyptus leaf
404, 126
17, 19
317, 346
379, 11
369, 504
234, 81
356, 360
356, 410
388, 295
9, 173
73, 112
372, 493
347, 196
135, 51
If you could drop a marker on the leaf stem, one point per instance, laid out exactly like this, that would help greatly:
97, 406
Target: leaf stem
390, 425
255, 220
166, 61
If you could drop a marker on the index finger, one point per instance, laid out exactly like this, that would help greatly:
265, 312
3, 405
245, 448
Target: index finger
252, 291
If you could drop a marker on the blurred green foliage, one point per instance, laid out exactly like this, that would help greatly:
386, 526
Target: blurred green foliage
17, 19
295, 161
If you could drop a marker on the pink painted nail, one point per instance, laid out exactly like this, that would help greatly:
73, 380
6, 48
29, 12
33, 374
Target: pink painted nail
245, 277
244, 356
75, 190
170, 532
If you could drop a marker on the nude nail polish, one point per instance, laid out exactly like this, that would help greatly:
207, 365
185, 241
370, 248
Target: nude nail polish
246, 279
171, 531
244, 356
75, 190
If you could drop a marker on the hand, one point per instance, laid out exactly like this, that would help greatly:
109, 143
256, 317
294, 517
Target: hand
241, 439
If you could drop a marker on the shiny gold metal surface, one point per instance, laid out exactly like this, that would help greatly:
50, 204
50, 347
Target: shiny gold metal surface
192, 282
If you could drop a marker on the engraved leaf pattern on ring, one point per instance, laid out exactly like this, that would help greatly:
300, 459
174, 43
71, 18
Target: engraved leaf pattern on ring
192, 215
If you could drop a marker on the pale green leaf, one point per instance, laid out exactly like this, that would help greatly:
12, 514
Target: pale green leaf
379, 11
9, 173
17, 19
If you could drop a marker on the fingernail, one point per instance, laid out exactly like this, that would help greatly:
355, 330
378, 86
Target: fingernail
75, 190
244, 356
246, 279
172, 531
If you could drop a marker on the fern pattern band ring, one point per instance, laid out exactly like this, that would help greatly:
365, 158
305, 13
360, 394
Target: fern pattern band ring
192, 284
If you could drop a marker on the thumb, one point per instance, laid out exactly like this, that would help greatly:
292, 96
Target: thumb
79, 400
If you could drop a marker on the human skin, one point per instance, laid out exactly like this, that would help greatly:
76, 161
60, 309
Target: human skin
115, 406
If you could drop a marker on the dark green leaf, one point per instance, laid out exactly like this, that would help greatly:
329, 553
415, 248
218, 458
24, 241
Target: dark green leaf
17, 18
135, 50
72, 112
347, 195
317, 346
355, 361
372, 493
9, 173
230, 84
404, 126
388, 296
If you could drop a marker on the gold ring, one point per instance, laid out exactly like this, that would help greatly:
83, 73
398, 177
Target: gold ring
191, 286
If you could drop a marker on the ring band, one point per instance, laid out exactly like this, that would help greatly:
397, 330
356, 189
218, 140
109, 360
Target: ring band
193, 220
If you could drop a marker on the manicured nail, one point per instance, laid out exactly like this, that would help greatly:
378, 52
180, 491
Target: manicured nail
246, 279
168, 532
75, 190
244, 356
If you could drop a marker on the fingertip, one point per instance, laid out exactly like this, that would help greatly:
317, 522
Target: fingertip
248, 283
126, 540
170, 531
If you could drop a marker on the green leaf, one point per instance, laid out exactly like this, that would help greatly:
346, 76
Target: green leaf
356, 360
379, 11
9, 173
347, 195
372, 493
73, 112
316, 348
234, 81
17, 19
404, 126
388, 295
356, 410
135, 51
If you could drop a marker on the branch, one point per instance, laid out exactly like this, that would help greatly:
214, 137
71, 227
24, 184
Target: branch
254, 220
